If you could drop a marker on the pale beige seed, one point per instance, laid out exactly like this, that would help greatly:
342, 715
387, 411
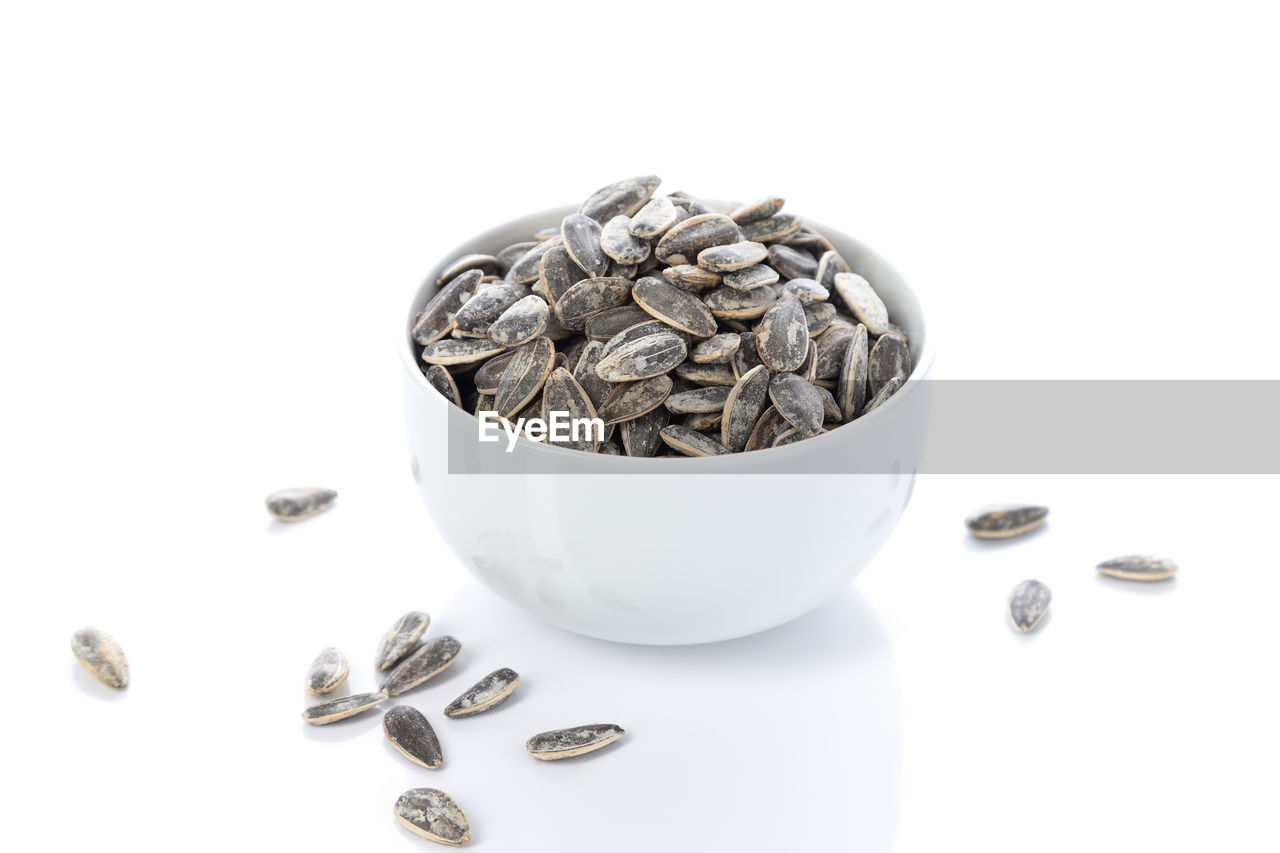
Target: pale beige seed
890, 388
732, 257
829, 265
523, 379
851, 390
1028, 604
630, 400
425, 662
584, 372
782, 337
486, 379
890, 359
640, 436
1003, 521
691, 279
609, 322
759, 209
706, 374
99, 653
581, 235
564, 394
674, 307
746, 401
806, 290
566, 743
792, 264
1139, 568
327, 671
521, 323
642, 358
709, 398
780, 226
654, 218
299, 504
436, 320
717, 349
624, 197
728, 303
400, 639
409, 731
457, 352
752, 277
440, 379
557, 273
771, 425
861, 299
433, 815
690, 443
489, 692
588, 297
525, 269
339, 709
684, 240
617, 242
798, 402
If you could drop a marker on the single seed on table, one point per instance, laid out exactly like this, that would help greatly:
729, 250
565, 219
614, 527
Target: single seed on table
818, 317
759, 209
1002, 521
790, 263
861, 299
890, 358
707, 374
630, 400
691, 279
776, 227
566, 743
409, 731
617, 242
102, 656
523, 379
440, 379
731, 257
1139, 568
520, 323
425, 662
591, 296
654, 218
717, 349
479, 312
752, 277
564, 394
436, 319
300, 504
674, 307
709, 398
851, 390
486, 379
489, 692
728, 303
327, 671
433, 815
581, 235
339, 709
828, 266
782, 337
450, 351
400, 639
642, 358
525, 269
624, 198
746, 401
771, 425
1028, 603
890, 388
691, 443
603, 326
806, 290
684, 240
585, 372
557, 272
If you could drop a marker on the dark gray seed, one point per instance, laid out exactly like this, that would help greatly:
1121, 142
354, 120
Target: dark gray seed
603, 326
508, 256
642, 358
747, 356
640, 436
690, 278
831, 413
468, 351
439, 379
520, 323
400, 639
705, 421
832, 345
674, 307
1139, 568
782, 337
591, 296
733, 304
555, 331
434, 815
806, 238
691, 443
771, 425
777, 227
743, 406
467, 262
890, 388
890, 358
684, 240
707, 374
1002, 521
617, 242
709, 398
522, 380
581, 235
557, 273
410, 733
633, 399
798, 402
851, 390
859, 297
791, 263
610, 448
486, 379
301, 503
759, 209
818, 317
525, 270
340, 709
717, 349
573, 351
807, 290
327, 671
564, 394
654, 219
566, 743
1028, 603
643, 329
484, 403
617, 270
584, 371
436, 320
732, 257
101, 655
751, 277
790, 436
425, 662
809, 367
697, 207
624, 197
489, 692
829, 265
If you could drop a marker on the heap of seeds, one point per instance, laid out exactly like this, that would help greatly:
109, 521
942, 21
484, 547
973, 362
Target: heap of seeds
689, 331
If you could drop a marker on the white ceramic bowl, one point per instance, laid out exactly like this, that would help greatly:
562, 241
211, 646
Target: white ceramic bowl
670, 551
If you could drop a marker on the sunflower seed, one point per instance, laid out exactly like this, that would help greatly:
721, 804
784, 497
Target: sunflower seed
1139, 568
436, 319
747, 356
433, 814
640, 436
818, 317
771, 425
732, 257
409, 732
690, 278
591, 296
489, 692
603, 326
861, 299
706, 374
616, 242
889, 359
733, 304
790, 436
622, 198
828, 266
581, 235
299, 504
468, 351
674, 307
525, 269
566, 743
505, 259
564, 394
890, 388
1002, 521
400, 638
610, 448
584, 372
807, 290
717, 349
832, 345
806, 238
551, 232
809, 367
630, 400
684, 440
831, 413
684, 240
327, 671
521, 322
641, 330
467, 262
617, 270
439, 379
704, 421
749, 278
851, 392
759, 209
654, 219
486, 379
1028, 603
557, 272
340, 709
425, 662
776, 227
743, 406
791, 263
642, 358
524, 376
709, 398
101, 655
782, 336
798, 402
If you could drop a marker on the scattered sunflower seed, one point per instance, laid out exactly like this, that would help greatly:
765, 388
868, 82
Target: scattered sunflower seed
654, 219
433, 814
776, 227
581, 236
622, 198
684, 240
890, 359
427, 661
691, 443
798, 402
752, 277
759, 209
862, 300
1028, 603
612, 321
409, 732
829, 265
102, 656
709, 398
783, 336
523, 379
299, 504
792, 264
674, 307
717, 349
486, 379
619, 244
566, 743
691, 279
630, 400
525, 269
489, 692
746, 401
400, 639
339, 709
851, 392
557, 273
523, 321
436, 320
591, 296
806, 290
1003, 521
466, 351
888, 390
1139, 568
767, 430
564, 394
439, 379
584, 371
642, 358
817, 317
478, 313
729, 303
732, 257
706, 374
641, 436
327, 671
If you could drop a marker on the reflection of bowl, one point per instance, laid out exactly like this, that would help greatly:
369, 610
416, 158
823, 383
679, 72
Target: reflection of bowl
659, 550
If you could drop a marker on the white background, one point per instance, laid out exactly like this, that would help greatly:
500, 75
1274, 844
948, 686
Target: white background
213, 217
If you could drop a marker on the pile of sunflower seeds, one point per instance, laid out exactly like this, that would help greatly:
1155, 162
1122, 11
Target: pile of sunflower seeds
689, 331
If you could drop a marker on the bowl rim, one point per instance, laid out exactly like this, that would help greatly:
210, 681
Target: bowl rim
921, 368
